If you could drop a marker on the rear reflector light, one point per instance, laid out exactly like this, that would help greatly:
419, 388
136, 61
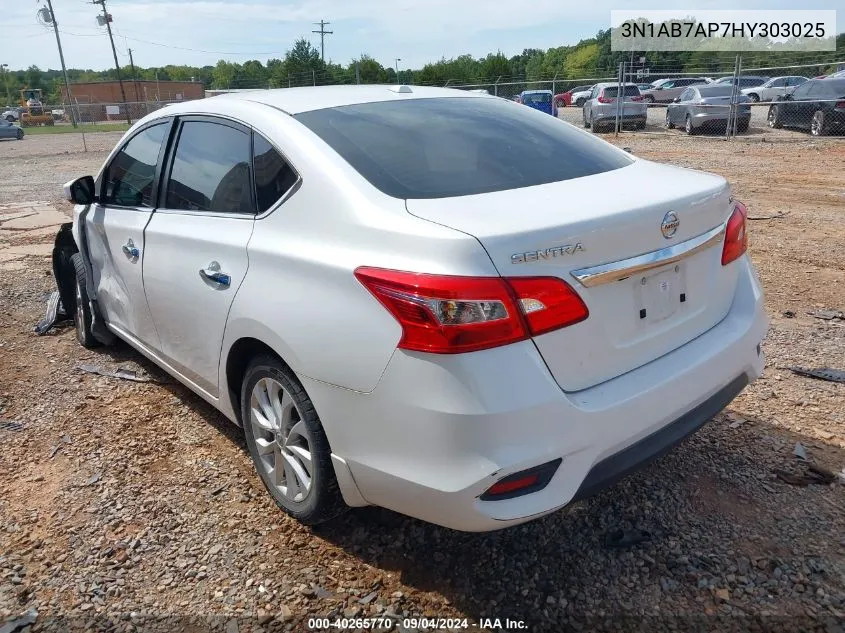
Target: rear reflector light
445, 314
736, 235
839, 105
522, 483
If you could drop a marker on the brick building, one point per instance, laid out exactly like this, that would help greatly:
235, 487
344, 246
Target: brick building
101, 93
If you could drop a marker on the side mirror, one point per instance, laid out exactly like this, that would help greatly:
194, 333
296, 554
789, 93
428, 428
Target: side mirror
676, 100
81, 190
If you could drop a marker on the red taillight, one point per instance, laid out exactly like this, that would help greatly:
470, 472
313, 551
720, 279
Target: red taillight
603, 99
637, 98
444, 314
839, 105
547, 303
736, 235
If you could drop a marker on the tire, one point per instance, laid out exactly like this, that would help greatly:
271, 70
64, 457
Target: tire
688, 126
818, 125
10, 118
669, 125
82, 317
773, 118
594, 127
640, 125
742, 128
648, 99
754, 98
19, 135
579, 103
559, 103
280, 433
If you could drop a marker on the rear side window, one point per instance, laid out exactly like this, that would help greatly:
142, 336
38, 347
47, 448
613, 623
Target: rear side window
273, 176
457, 146
131, 174
210, 169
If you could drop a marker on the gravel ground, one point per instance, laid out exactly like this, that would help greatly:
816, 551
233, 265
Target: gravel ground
134, 506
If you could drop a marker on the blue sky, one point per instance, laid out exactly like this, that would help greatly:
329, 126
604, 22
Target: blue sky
417, 31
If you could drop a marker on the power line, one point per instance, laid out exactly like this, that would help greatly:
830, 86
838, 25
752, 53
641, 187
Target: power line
323, 32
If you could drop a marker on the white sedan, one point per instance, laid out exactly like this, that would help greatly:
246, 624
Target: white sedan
774, 88
382, 287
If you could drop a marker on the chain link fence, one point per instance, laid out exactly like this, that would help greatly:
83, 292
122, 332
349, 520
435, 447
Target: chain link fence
721, 101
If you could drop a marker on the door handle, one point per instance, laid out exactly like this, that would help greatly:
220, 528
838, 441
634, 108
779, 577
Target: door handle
212, 273
130, 250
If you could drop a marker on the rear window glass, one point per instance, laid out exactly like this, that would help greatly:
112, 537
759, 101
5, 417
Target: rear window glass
833, 87
444, 147
630, 91
721, 90
537, 97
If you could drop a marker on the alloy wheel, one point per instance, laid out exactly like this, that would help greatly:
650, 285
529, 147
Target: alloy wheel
80, 313
282, 440
817, 124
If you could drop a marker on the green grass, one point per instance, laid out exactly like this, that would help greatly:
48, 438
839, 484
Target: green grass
69, 129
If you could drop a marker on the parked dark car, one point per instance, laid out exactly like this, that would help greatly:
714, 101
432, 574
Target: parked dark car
707, 107
817, 105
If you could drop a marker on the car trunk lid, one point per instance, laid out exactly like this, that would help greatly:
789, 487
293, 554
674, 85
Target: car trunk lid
559, 228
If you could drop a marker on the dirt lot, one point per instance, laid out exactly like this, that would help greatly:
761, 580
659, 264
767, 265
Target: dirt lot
134, 506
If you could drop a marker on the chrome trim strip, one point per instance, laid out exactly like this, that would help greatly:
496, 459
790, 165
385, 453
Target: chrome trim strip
624, 268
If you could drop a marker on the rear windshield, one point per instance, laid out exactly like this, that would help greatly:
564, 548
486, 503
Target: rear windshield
833, 87
537, 97
630, 91
458, 146
722, 90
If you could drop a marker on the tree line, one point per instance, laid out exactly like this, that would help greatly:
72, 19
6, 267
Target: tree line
589, 59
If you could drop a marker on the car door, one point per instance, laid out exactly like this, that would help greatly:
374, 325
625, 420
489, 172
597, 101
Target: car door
114, 229
196, 243
806, 104
789, 106
677, 111
588, 104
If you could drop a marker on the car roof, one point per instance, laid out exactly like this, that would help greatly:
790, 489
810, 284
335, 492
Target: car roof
536, 92
608, 84
296, 100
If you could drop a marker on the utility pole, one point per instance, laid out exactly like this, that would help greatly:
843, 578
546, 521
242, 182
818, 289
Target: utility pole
397, 60
107, 21
62, 59
323, 32
135, 77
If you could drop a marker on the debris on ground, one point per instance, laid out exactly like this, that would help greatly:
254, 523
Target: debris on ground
825, 373
120, 372
626, 538
827, 315
812, 475
11, 425
789, 314
56, 315
799, 451
16, 624
777, 216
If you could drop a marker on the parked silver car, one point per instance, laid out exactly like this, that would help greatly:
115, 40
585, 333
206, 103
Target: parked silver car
10, 130
665, 90
774, 88
600, 109
707, 107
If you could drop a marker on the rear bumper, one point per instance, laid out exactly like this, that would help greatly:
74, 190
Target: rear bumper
438, 431
710, 118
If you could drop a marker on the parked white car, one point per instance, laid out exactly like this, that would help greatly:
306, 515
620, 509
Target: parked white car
774, 88
372, 282
580, 98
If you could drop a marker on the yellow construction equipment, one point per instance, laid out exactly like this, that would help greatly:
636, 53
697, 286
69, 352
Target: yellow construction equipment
33, 111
